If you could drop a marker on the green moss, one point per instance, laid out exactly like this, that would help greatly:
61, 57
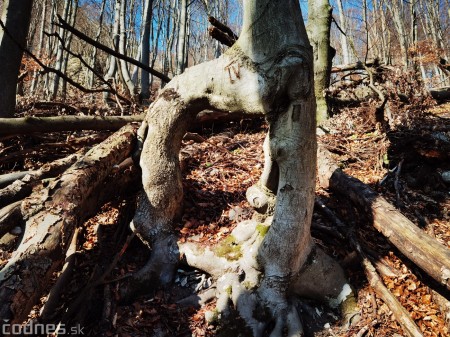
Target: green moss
262, 229
248, 285
229, 249
229, 290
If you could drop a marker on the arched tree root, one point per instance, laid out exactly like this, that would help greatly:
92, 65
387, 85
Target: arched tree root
262, 301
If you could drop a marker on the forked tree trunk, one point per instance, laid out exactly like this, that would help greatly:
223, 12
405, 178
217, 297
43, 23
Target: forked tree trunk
268, 70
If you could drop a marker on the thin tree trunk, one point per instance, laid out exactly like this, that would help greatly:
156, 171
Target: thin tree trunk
72, 19
112, 69
319, 24
181, 48
43, 20
122, 49
145, 49
60, 54
93, 57
343, 24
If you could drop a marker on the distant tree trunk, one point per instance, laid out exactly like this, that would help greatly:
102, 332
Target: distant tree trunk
60, 54
43, 20
181, 48
145, 49
112, 67
16, 16
343, 24
319, 24
123, 50
90, 75
396, 9
69, 35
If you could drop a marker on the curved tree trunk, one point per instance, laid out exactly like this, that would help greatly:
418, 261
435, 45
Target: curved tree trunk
268, 70
16, 16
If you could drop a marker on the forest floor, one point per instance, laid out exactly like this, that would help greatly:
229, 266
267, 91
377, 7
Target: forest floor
404, 164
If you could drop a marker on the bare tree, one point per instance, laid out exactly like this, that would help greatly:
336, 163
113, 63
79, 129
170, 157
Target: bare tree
261, 73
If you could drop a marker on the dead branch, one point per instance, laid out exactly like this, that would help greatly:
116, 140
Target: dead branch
220, 36
52, 213
112, 90
440, 94
110, 51
20, 189
9, 178
10, 217
224, 28
25, 125
355, 66
49, 308
422, 249
375, 281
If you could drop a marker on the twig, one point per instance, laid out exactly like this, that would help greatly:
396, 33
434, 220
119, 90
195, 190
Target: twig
63, 24
49, 69
49, 308
100, 77
397, 184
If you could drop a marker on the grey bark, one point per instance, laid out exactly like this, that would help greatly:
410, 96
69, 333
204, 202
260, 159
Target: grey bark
145, 49
270, 74
396, 9
182, 32
343, 24
112, 68
319, 24
60, 54
16, 16
50, 227
125, 72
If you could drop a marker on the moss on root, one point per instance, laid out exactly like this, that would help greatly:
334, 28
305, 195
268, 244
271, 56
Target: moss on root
229, 249
262, 229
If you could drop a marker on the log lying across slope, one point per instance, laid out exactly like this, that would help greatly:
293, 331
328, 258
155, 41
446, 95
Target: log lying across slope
52, 214
422, 249
25, 125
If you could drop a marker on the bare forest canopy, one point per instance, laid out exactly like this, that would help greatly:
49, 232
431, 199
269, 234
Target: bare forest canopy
411, 34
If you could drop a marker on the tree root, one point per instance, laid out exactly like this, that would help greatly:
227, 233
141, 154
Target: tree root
265, 301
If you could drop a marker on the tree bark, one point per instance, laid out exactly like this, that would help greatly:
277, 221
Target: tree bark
319, 24
182, 28
145, 50
49, 225
122, 49
270, 73
16, 16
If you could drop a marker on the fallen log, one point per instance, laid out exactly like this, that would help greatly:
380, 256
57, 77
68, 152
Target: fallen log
26, 125
440, 94
22, 186
355, 66
399, 312
51, 215
422, 249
